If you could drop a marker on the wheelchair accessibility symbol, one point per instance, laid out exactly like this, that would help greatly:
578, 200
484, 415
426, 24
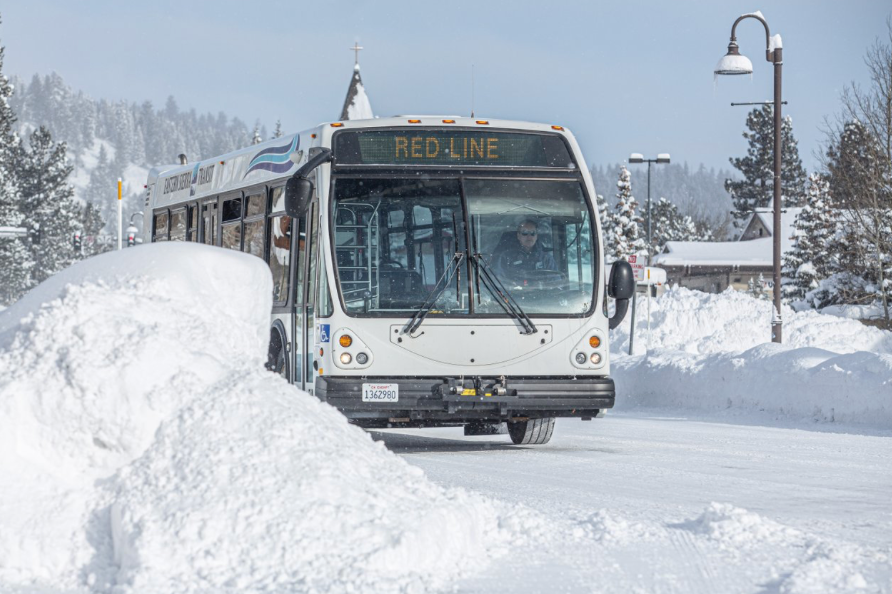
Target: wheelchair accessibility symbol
323, 333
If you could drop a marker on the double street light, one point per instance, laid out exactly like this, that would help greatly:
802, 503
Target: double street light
639, 158
733, 63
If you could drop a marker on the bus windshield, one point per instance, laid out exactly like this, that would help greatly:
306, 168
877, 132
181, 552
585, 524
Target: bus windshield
395, 239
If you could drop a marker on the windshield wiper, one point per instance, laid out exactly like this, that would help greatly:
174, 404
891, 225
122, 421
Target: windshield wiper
434, 295
501, 294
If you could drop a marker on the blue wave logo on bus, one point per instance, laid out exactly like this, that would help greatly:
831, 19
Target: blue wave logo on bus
276, 159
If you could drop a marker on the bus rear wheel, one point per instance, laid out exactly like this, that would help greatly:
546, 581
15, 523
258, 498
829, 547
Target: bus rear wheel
532, 431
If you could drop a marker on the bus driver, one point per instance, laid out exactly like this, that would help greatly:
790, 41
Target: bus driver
518, 259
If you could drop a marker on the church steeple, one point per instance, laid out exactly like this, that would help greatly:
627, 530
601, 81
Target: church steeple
356, 105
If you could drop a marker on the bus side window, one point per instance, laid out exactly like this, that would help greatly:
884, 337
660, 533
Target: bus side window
209, 222
254, 224
280, 234
160, 226
231, 230
192, 234
178, 225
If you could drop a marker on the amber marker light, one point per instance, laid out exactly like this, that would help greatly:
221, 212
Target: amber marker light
557, 127
337, 125
414, 121
312, 136
483, 122
448, 121
345, 340
594, 342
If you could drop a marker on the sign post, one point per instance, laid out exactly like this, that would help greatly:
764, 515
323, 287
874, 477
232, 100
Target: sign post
120, 218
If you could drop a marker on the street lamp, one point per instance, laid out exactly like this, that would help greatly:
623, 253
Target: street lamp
639, 158
733, 63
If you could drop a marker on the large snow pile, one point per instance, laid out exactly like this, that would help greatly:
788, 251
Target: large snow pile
712, 352
144, 448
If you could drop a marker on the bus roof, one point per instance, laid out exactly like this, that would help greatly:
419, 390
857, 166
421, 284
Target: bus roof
277, 158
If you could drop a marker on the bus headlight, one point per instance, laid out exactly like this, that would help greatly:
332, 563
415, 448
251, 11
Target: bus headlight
346, 358
362, 358
595, 359
580, 358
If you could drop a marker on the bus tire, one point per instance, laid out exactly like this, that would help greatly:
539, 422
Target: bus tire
531, 432
481, 428
276, 360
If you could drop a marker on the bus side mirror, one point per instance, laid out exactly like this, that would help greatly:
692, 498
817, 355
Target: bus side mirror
621, 287
298, 192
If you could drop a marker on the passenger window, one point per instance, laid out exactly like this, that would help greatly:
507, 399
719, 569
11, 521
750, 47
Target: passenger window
254, 225
231, 233
161, 226
178, 225
280, 255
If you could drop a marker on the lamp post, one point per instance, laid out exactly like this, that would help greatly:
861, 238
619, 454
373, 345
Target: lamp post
639, 158
733, 63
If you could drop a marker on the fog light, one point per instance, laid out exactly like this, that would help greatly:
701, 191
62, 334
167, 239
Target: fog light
580, 358
345, 340
596, 358
362, 358
346, 358
594, 342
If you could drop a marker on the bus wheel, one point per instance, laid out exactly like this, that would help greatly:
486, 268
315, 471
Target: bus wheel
532, 432
275, 356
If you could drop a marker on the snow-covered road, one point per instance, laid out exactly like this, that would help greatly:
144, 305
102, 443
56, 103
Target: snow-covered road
638, 492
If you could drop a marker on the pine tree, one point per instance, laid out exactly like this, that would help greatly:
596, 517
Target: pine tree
278, 131
627, 238
15, 264
48, 199
756, 189
809, 260
605, 217
256, 137
670, 225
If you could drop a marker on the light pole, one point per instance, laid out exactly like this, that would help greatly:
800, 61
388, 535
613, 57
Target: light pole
734, 63
639, 158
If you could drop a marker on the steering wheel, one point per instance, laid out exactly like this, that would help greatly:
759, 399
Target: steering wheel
390, 264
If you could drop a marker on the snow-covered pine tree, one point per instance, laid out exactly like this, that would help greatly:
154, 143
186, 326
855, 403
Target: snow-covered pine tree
48, 199
256, 137
15, 263
277, 133
605, 217
756, 189
626, 223
809, 260
668, 224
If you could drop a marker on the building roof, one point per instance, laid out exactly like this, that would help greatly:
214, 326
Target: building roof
356, 105
766, 217
752, 252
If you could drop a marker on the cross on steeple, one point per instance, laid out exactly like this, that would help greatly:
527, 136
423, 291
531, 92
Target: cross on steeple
356, 47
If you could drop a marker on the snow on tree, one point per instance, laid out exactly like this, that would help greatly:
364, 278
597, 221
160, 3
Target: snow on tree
809, 260
756, 189
626, 226
277, 133
48, 200
15, 259
668, 224
256, 137
860, 179
605, 217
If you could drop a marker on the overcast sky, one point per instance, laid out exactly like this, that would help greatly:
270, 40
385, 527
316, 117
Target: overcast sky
623, 76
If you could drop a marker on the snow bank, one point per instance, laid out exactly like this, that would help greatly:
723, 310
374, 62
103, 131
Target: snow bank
144, 448
711, 353
704, 323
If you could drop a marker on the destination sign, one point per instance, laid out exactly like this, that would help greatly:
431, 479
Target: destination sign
451, 148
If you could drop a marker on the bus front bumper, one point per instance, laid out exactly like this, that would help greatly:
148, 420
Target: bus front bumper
452, 401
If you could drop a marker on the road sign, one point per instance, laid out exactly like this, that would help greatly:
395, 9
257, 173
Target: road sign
638, 264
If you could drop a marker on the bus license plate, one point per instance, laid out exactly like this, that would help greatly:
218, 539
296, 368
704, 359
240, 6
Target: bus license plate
380, 392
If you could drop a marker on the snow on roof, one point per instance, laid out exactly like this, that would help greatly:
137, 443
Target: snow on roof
788, 219
357, 105
757, 252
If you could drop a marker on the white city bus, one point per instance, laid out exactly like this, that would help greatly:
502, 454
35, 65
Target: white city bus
427, 271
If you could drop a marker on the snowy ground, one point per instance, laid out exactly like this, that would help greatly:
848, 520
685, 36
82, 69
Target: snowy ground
144, 449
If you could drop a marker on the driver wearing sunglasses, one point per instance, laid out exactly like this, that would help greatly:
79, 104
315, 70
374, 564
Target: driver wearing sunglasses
525, 256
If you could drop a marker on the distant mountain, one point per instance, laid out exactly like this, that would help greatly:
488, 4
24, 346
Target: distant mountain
107, 140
